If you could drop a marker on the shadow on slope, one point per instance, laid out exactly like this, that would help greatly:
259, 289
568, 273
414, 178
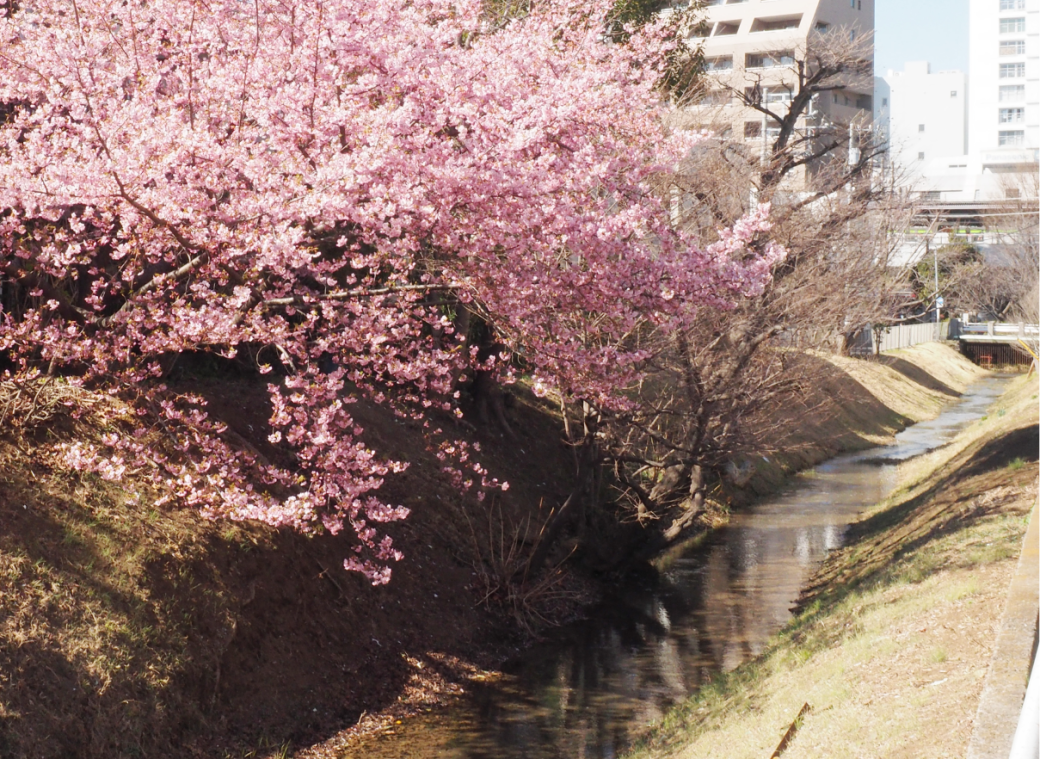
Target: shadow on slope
130, 630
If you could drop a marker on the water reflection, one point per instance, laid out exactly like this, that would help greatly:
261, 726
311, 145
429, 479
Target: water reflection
596, 684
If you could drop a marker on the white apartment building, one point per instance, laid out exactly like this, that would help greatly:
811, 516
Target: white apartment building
1004, 69
757, 42
1004, 116
923, 117
922, 114
988, 151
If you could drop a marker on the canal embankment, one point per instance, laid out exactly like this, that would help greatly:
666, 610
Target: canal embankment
894, 637
852, 404
133, 627
593, 686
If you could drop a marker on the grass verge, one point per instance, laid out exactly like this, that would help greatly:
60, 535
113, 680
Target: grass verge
891, 642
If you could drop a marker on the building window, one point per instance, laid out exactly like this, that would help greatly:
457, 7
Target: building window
1012, 193
724, 28
1013, 47
920, 156
1015, 139
1012, 70
920, 127
1012, 25
953, 93
884, 102
1010, 93
752, 129
1012, 115
721, 63
931, 195
822, 27
769, 60
1012, 5
715, 97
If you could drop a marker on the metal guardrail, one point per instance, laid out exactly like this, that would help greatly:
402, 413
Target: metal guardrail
1005, 332
997, 343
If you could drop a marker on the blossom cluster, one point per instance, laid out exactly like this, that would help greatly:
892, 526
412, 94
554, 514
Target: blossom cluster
312, 180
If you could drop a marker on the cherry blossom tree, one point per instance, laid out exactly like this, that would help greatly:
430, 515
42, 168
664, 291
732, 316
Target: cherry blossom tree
319, 183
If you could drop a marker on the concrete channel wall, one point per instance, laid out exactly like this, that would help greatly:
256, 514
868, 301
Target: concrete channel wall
1000, 708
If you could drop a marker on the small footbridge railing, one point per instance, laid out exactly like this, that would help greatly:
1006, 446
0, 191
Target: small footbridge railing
994, 332
998, 344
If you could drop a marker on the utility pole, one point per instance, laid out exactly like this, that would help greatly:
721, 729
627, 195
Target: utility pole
935, 253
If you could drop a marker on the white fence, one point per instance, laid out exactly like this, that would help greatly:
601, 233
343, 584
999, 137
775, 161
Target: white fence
898, 336
905, 335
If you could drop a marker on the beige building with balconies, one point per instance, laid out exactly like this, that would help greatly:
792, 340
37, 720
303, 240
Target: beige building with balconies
755, 44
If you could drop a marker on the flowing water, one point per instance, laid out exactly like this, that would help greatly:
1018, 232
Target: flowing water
596, 684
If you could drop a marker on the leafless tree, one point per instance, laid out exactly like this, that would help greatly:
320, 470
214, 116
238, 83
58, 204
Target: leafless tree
1010, 281
713, 387
711, 390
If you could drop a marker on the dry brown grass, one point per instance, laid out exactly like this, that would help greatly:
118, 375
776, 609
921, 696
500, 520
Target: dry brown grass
131, 630
501, 555
852, 404
893, 639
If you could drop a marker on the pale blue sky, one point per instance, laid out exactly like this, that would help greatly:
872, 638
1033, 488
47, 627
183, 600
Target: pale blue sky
920, 30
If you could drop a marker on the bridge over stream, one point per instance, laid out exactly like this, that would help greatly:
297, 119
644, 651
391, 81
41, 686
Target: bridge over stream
995, 343
985, 343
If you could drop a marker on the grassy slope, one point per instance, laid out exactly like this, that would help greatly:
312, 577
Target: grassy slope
854, 404
892, 641
128, 630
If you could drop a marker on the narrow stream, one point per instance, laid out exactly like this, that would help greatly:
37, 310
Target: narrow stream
596, 684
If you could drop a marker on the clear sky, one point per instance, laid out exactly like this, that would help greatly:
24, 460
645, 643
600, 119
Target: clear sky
920, 30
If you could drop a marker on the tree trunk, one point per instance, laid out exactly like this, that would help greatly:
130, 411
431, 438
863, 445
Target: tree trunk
573, 508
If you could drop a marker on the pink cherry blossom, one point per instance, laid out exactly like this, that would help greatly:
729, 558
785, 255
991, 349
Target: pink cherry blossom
313, 180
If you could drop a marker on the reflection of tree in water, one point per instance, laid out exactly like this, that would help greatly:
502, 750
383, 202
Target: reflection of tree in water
656, 642
609, 677
665, 634
662, 639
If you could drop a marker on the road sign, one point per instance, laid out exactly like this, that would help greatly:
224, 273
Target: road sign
940, 302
